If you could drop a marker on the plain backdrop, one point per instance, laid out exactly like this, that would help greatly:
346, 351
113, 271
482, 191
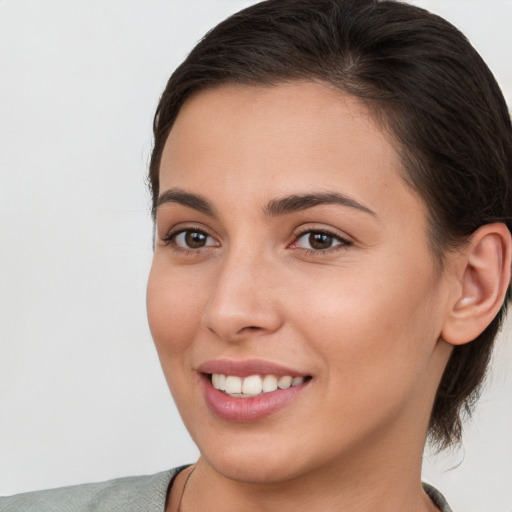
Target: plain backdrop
82, 397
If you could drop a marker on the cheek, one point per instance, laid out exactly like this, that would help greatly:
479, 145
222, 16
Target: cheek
374, 324
173, 307
373, 345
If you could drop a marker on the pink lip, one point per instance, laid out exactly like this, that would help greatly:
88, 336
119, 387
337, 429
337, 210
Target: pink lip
247, 367
243, 410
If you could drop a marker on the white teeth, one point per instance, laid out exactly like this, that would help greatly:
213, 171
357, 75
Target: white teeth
297, 380
233, 384
269, 383
253, 385
284, 382
219, 381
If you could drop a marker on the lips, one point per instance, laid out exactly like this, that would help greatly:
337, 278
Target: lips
244, 391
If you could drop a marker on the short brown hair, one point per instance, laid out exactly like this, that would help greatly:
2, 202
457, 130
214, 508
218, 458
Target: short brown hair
429, 87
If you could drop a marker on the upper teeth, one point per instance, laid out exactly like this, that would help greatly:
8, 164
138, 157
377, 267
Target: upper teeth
252, 385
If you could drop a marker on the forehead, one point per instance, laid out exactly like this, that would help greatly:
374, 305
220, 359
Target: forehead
259, 141
288, 110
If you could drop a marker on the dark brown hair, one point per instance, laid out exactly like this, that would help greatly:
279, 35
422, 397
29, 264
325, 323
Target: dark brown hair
428, 87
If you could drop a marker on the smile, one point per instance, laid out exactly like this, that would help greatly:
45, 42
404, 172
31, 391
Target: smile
252, 385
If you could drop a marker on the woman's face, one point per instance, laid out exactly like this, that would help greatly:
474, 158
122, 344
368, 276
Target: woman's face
290, 249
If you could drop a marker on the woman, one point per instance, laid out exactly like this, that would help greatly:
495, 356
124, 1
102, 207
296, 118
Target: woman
331, 189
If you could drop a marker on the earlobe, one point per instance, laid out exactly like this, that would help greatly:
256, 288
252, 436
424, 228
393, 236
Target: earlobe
483, 274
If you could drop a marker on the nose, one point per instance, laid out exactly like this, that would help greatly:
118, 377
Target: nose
243, 301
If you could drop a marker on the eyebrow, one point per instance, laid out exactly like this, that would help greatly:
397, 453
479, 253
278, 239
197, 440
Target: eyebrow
195, 201
275, 207
298, 202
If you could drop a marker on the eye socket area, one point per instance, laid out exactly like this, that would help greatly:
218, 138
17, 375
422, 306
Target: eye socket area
191, 239
311, 240
319, 240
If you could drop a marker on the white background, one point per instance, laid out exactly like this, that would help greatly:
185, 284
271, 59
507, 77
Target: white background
82, 397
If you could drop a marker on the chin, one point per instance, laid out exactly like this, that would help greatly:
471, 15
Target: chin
255, 468
260, 457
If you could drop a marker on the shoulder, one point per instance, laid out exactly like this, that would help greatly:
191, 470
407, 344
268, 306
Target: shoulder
129, 494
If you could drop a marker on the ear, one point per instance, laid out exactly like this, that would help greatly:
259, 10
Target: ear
482, 271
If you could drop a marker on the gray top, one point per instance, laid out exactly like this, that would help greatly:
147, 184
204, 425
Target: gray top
438, 499
131, 494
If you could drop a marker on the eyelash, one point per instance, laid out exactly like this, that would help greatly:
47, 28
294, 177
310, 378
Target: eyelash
170, 240
343, 242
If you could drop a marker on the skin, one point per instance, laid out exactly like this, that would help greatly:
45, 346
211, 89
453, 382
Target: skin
364, 317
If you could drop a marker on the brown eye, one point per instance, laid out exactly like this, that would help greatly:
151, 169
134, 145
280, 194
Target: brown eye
192, 239
320, 241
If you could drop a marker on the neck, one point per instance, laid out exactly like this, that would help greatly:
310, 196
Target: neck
365, 485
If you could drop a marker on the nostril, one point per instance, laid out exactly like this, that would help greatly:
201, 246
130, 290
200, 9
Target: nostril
249, 328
